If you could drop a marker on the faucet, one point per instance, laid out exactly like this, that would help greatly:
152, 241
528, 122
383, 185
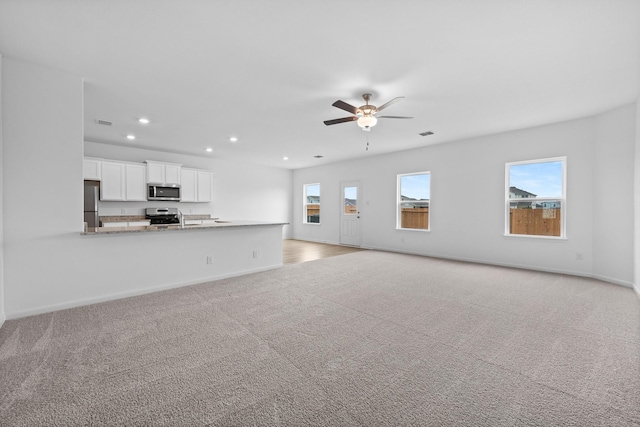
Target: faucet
181, 217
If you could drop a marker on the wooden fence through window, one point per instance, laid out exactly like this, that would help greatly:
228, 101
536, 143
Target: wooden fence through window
415, 218
535, 222
313, 213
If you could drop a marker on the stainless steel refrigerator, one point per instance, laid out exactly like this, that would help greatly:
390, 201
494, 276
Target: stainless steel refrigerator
91, 197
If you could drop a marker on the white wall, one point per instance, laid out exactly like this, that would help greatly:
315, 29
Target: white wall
467, 193
2, 311
42, 123
48, 264
240, 191
613, 175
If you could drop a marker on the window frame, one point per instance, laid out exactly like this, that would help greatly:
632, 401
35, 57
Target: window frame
399, 202
305, 203
562, 199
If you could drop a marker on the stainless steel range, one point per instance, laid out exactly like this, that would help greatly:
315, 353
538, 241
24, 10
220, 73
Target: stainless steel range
163, 216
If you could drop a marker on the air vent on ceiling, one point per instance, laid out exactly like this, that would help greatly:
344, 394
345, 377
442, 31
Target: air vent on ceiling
104, 122
425, 133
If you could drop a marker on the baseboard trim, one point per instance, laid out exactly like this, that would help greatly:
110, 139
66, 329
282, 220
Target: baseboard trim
614, 281
328, 242
512, 265
132, 293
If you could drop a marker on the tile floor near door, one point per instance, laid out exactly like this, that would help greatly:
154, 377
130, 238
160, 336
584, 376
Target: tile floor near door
297, 251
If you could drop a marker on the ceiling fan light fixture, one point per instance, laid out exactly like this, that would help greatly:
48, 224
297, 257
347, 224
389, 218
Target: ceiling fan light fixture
365, 114
367, 121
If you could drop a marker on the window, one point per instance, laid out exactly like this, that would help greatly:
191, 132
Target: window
414, 194
350, 200
535, 198
312, 203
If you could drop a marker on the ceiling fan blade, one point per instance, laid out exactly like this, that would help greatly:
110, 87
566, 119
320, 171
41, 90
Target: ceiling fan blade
342, 120
393, 101
346, 107
394, 117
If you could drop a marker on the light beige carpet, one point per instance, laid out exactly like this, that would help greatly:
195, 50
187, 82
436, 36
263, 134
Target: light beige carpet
365, 339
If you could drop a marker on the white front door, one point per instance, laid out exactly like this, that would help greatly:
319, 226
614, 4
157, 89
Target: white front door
350, 214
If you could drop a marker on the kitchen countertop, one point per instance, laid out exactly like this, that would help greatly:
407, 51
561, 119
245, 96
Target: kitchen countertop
176, 227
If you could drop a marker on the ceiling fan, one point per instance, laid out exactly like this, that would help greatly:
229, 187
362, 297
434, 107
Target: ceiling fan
365, 115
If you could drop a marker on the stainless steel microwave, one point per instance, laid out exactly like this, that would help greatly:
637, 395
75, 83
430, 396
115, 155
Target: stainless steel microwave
163, 192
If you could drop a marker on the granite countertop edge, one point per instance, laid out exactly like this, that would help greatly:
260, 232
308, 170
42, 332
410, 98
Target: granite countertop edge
99, 231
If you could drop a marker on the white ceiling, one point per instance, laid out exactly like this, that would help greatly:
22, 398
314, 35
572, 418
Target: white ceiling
268, 71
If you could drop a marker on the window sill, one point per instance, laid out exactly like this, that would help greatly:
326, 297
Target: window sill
532, 236
420, 230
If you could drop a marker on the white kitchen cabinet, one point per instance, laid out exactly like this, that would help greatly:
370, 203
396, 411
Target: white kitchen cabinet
136, 182
112, 186
163, 173
205, 186
196, 185
155, 173
92, 169
123, 181
189, 185
172, 174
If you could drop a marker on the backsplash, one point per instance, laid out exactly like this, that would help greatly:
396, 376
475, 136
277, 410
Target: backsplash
138, 208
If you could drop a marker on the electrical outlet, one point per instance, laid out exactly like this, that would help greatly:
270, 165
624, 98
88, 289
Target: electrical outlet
256, 254
123, 211
579, 256
209, 259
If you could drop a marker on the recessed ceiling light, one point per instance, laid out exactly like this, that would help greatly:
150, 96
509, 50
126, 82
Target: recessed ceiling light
209, 149
233, 139
285, 158
131, 137
143, 121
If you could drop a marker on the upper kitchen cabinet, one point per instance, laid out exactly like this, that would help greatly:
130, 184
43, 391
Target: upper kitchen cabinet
196, 185
205, 186
188, 185
136, 182
123, 181
163, 173
113, 185
92, 169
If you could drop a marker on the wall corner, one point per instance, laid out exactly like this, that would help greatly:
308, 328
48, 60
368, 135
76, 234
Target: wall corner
636, 205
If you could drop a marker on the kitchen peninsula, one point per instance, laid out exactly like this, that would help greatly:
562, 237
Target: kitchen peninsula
145, 259
215, 224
